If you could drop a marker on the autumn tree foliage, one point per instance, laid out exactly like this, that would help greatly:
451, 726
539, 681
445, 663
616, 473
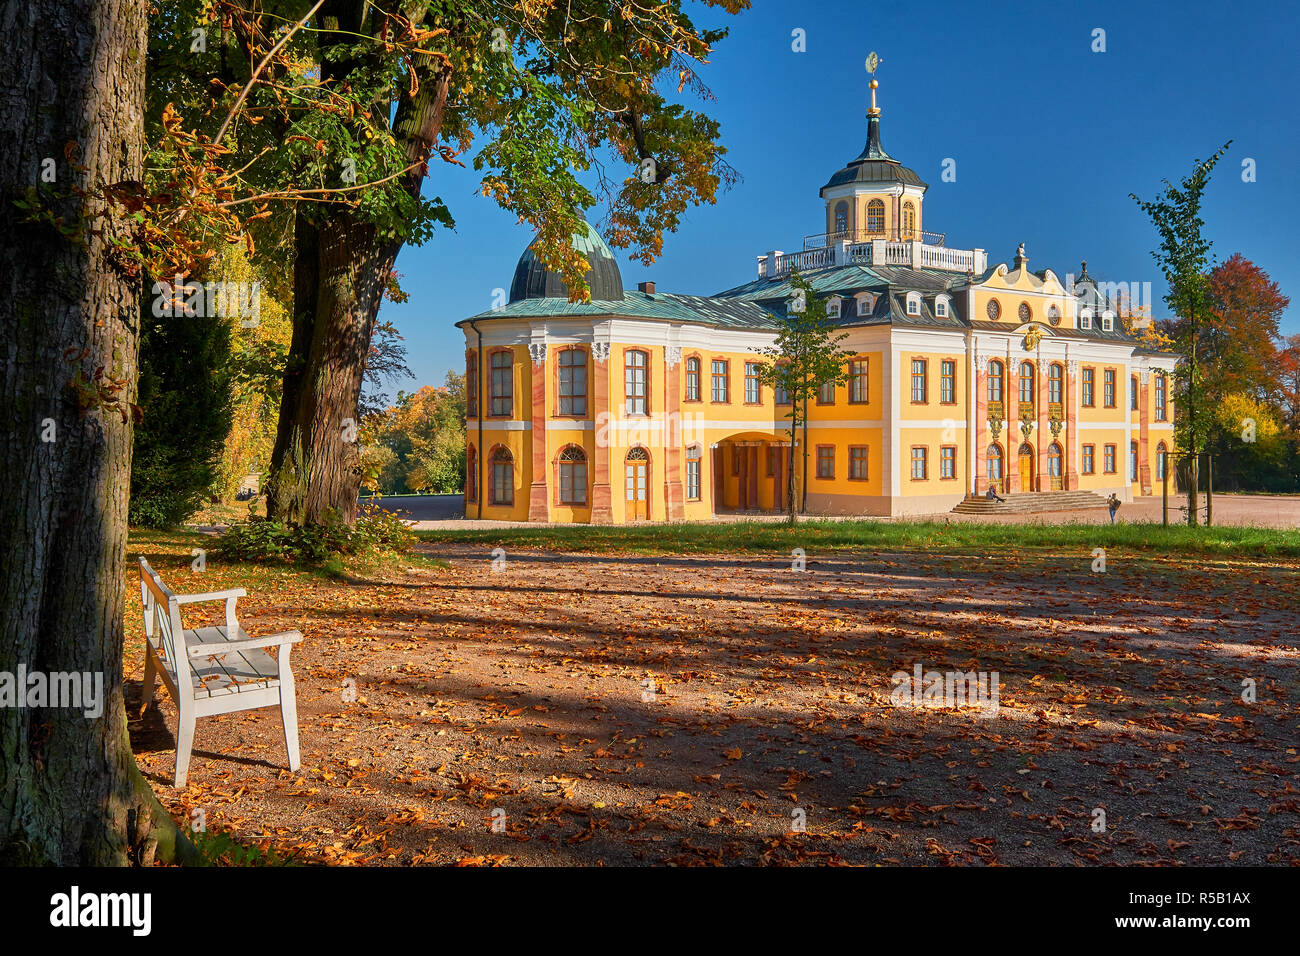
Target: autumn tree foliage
320, 136
418, 444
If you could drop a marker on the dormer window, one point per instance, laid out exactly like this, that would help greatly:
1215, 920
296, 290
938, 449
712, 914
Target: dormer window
941, 306
1085, 319
866, 303
833, 307
913, 303
1107, 321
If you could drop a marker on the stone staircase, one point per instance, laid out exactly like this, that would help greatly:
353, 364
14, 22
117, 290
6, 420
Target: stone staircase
1031, 502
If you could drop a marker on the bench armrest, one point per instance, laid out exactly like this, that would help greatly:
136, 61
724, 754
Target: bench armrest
211, 596
227, 647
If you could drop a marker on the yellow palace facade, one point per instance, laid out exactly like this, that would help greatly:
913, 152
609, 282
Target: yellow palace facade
646, 405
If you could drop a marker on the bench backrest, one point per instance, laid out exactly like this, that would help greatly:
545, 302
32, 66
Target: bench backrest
162, 614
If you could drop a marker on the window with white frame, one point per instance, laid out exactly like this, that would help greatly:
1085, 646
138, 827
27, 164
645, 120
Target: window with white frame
941, 307
913, 303
1107, 321
1085, 319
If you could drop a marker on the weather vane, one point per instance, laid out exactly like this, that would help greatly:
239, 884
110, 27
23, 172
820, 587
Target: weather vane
873, 62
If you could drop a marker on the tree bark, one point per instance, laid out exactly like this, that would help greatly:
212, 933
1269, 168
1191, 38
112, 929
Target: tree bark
71, 92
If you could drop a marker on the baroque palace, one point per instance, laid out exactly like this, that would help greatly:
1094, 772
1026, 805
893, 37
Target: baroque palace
647, 405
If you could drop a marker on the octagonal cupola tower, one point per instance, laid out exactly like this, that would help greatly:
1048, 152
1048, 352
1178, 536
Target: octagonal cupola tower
874, 196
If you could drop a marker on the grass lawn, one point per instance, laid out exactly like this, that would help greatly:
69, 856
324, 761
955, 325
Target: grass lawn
681, 695
930, 536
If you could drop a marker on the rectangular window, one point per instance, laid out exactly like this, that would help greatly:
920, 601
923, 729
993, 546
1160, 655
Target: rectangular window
1089, 451
692, 379
572, 369
919, 462
858, 462
1109, 460
948, 382
1087, 399
753, 392
858, 381
693, 473
1133, 461
719, 380
1133, 393
502, 384
825, 461
636, 372
948, 461
919, 386
1108, 387
782, 397
826, 394
1160, 398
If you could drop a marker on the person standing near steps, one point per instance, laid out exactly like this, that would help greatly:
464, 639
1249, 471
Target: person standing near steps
1113, 503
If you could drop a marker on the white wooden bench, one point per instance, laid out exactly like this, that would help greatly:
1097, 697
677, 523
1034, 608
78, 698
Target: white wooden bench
213, 670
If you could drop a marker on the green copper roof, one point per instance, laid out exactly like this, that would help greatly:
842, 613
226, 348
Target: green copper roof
534, 281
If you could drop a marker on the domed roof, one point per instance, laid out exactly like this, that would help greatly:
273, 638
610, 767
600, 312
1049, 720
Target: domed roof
873, 164
534, 281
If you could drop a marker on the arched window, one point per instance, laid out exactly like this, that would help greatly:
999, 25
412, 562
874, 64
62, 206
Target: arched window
1161, 451
503, 477
909, 220
866, 303
1085, 319
471, 473
913, 303
572, 468
1026, 382
995, 381
841, 218
875, 217
693, 379
571, 369
1054, 460
1107, 321
995, 462
941, 306
833, 307
1055, 378
693, 461
636, 370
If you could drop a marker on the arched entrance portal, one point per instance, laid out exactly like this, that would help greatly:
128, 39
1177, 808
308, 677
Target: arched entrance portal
750, 474
637, 485
1026, 467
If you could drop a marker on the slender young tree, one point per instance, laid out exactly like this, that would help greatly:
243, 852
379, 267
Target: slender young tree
1184, 260
805, 356
71, 107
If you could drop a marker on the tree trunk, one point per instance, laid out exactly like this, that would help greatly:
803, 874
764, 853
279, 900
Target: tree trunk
340, 272
71, 101
803, 489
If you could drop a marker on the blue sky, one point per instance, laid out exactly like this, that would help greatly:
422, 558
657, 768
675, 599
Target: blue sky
1049, 139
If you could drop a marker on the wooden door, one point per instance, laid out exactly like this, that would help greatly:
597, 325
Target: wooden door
637, 485
1026, 468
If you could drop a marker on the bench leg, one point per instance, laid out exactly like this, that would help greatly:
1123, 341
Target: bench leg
150, 676
289, 714
184, 742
